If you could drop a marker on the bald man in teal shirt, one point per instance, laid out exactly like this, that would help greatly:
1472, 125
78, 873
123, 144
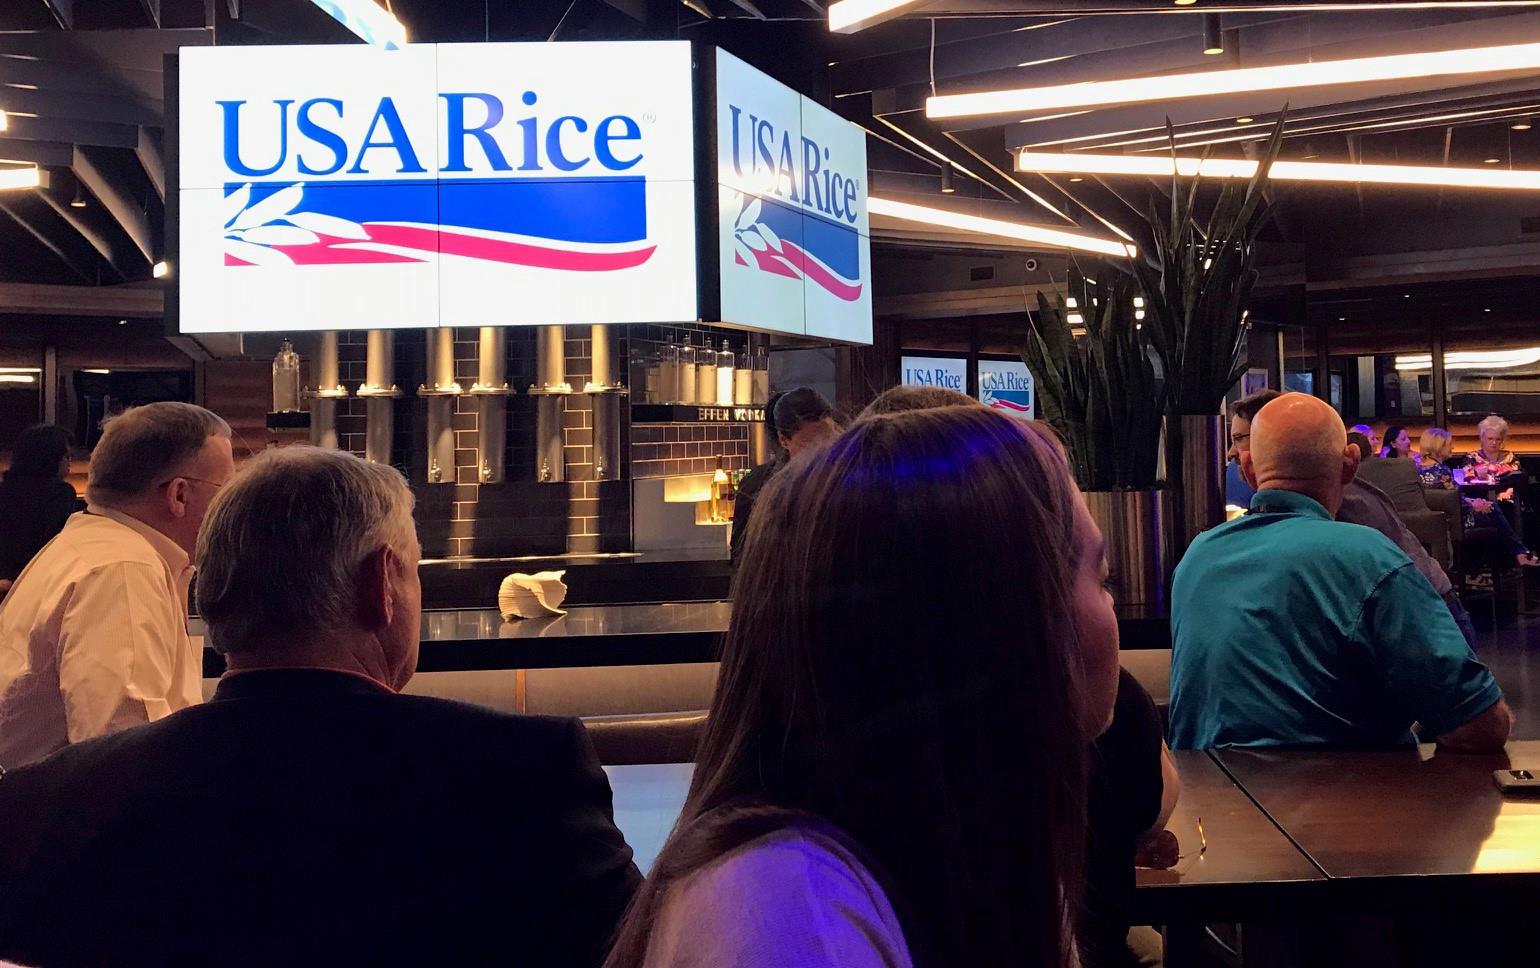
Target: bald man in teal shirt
1291, 629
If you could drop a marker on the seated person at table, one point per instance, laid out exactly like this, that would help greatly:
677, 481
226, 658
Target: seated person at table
35, 499
1372, 434
1491, 459
1435, 447
1398, 443
893, 770
309, 814
1291, 629
1134, 784
1365, 504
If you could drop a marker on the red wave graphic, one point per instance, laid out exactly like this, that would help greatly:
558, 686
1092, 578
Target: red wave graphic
1008, 405
329, 250
816, 272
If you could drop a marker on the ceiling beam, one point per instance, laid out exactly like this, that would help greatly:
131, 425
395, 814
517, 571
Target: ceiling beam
108, 246
63, 11
29, 224
133, 218
37, 299
74, 105
74, 132
48, 154
148, 151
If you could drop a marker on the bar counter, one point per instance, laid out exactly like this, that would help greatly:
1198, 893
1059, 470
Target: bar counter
477, 639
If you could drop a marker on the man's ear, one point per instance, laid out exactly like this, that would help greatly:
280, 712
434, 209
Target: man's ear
1351, 458
376, 594
175, 496
1248, 470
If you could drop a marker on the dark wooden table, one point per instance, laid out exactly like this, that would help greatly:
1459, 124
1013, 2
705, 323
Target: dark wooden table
1250, 868
475, 639
1428, 826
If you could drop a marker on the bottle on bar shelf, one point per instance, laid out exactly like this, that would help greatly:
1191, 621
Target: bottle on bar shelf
723, 494
285, 378
668, 373
743, 380
725, 370
706, 374
761, 376
686, 374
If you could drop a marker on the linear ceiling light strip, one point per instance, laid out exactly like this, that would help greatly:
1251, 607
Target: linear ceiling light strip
1151, 166
1020, 231
1358, 70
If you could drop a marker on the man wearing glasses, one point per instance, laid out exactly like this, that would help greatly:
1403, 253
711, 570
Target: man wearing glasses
93, 635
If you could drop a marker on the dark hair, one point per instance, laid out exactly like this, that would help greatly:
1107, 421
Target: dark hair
943, 740
1365, 449
794, 408
38, 452
1389, 441
900, 398
1247, 407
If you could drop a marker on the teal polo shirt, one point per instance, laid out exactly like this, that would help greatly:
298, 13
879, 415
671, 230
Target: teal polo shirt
1291, 629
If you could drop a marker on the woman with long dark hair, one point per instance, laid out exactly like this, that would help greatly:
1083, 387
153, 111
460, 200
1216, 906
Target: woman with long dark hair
893, 771
1398, 443
798, 420
35, 500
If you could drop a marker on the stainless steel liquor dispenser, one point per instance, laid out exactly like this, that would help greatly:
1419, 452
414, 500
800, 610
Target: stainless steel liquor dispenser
549, 390
440, 392
328, 390
380, 393
608, 395
491, 392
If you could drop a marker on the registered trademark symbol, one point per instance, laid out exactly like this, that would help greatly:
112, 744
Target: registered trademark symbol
649, 117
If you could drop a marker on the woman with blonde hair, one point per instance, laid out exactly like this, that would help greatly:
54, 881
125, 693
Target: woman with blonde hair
1436, 447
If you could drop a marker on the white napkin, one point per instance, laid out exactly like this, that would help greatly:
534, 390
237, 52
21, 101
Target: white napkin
529, 596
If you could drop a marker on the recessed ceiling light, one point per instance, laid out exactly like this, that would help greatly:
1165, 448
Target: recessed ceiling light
1521, 125
1490, 161
122, 322
1341, 319
1076, 178
1244, 119
1406, 295
1487, 310
1185, 3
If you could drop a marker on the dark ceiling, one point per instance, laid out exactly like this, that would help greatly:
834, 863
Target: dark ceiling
81, 82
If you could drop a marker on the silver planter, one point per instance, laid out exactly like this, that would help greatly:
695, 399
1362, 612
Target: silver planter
1130, 522
1195, 475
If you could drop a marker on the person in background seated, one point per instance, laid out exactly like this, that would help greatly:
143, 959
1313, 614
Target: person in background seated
35, 500
1398, 443
1134, 783
1369, 432
93, 635
1290, 629
1491, 459
800, 420
1436, 446
308, 814
863, 797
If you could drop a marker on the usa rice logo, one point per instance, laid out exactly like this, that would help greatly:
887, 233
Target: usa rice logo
541, 217
823, 219
1008, 387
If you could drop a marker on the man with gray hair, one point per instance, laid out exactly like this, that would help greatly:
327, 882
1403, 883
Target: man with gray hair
309, 814
93, 636
1291, 629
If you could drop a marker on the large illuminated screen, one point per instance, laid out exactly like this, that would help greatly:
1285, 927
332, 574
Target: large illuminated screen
794, 247
438, 184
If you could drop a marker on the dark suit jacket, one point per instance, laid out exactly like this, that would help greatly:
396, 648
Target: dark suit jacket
307, 818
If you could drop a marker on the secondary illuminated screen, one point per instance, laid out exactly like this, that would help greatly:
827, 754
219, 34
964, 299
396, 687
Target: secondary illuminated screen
437, 184
794, 246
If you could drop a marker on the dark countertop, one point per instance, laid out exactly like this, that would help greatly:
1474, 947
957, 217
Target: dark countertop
457, 640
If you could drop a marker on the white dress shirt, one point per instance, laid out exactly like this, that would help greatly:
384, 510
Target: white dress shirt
93, 636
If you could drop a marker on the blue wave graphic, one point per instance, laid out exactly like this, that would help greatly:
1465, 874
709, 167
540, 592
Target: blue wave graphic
597, 210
